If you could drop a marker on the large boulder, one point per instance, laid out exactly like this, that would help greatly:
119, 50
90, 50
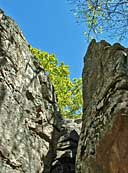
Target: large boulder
34, 137
103, 144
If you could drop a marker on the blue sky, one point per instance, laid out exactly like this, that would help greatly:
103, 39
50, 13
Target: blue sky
50, 26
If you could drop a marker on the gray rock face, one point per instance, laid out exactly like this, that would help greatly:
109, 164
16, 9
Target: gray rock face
103, 140
33, 136
28, 107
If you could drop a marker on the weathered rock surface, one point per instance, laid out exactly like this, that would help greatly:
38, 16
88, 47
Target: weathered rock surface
103, 144
30, 121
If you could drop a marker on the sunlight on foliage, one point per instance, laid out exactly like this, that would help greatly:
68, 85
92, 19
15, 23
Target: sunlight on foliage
69, 93
109, 16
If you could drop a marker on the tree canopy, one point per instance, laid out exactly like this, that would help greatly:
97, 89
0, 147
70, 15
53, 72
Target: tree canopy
110, 16
69, 92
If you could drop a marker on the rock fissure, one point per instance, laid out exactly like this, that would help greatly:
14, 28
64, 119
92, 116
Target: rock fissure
34, 138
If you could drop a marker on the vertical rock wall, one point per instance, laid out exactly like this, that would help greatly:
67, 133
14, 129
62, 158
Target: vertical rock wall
33, 136
28, 109
103, 145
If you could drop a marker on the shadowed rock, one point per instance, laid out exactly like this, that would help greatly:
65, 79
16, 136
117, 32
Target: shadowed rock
103, 145
64, 162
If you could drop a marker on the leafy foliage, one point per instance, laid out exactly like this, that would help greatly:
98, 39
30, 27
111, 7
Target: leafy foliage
110, 16
69, 92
